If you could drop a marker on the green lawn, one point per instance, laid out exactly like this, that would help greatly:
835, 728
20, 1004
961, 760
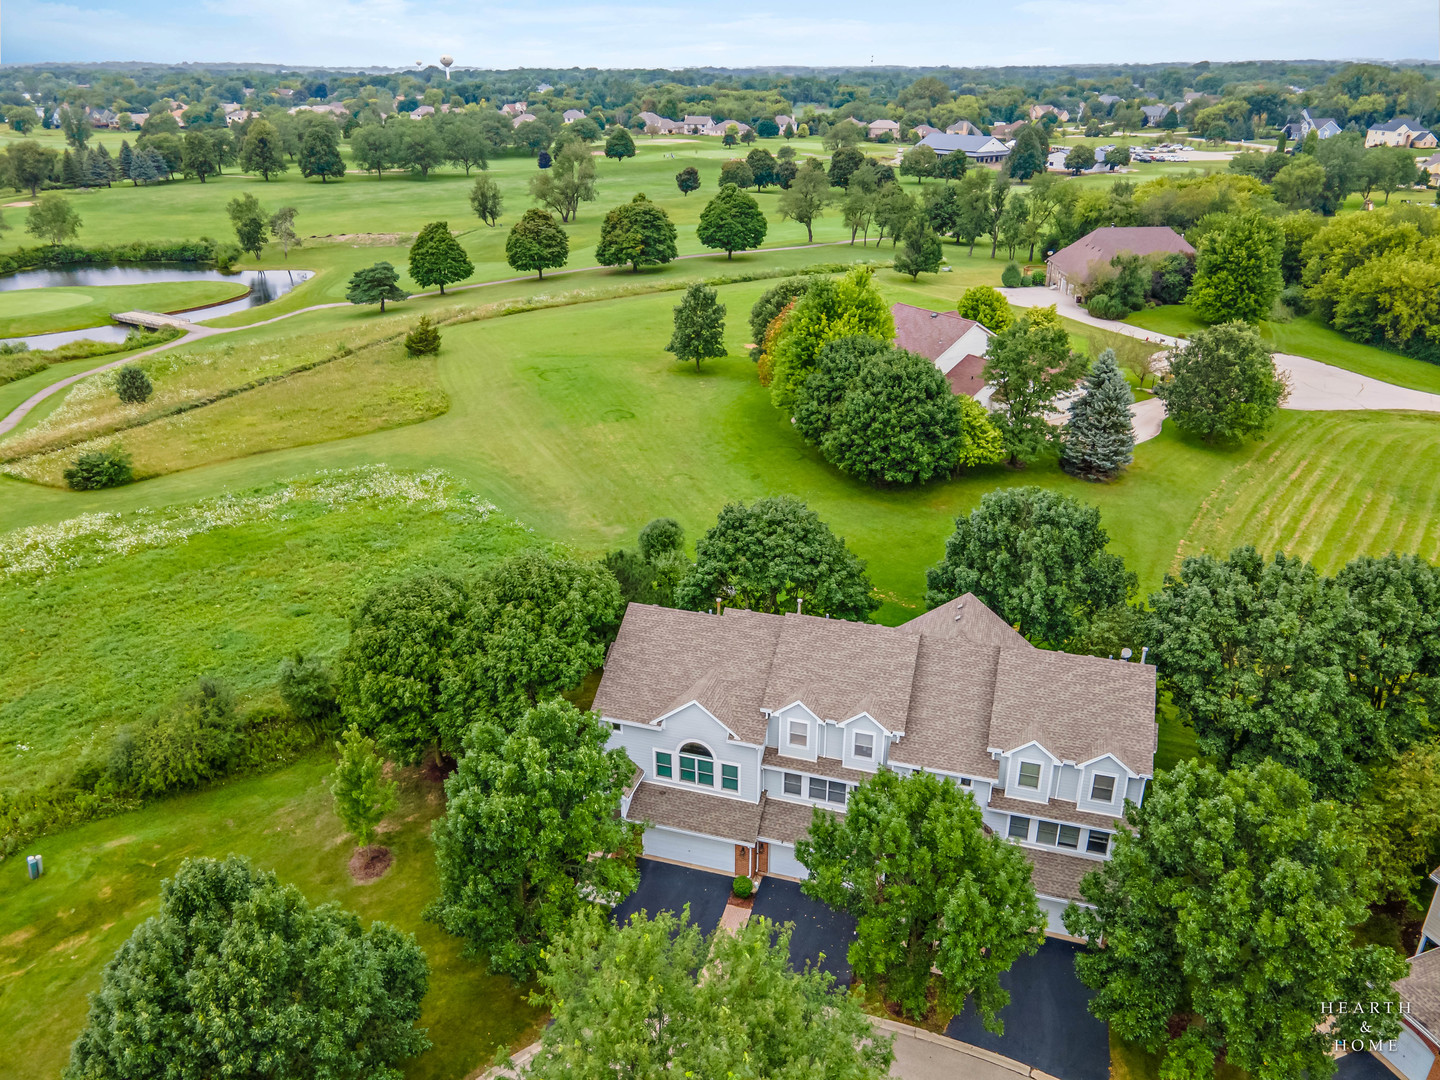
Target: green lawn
43, 311
1307, 336
103, 879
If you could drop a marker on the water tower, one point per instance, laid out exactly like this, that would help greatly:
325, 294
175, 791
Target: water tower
445, 62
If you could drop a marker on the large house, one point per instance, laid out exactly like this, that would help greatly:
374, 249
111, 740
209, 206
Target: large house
571, 115
963, 127
1415, 1055
881, 127
1071, 268
1155, 114
981, 149
1402, 131
741, 725
1323, 126
1431, 165
954, 344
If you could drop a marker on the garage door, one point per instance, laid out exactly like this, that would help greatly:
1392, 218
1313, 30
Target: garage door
784, 863
686, 847
1053, 909
1412, 1057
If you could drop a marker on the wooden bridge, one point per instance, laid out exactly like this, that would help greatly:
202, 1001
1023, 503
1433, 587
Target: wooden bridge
151, 320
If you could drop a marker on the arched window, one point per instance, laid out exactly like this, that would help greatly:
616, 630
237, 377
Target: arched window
696, 765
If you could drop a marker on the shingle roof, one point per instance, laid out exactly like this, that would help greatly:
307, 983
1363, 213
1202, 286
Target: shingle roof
967, 617
821, 766
1422, 989
969, 144
784, 822
1396, 124
1077, 707
736, 820
1054, 810
1099, 247
927, 332
950, 703
840, 669
1058, 875
968, 376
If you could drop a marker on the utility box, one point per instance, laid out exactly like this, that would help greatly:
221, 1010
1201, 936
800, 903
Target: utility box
36, 865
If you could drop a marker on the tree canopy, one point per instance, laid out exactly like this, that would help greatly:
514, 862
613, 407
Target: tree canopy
732, 221
1036, 558
568, 181
238, 975
827, 310
1030, 364
1237, 269
774, 555
524, 813
375, 285
1224, 919
1099, 437
929, 888
655, 997
1223, 385
699, 326
987, 306
537, 242
639, 233
804, 200
361, 795
262, 150
436, 257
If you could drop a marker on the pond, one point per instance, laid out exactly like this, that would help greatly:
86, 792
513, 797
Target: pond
264, 286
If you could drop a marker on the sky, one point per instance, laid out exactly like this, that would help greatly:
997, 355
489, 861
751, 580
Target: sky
737, 33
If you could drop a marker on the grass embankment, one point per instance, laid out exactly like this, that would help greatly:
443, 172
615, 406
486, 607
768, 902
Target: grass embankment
68, 307
109, 618
1309, 337
103, 879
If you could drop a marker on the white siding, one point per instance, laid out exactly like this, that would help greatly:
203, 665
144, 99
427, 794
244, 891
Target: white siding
1412, 1057
1053, 909
1069, 783
814, 735
690, 724
1106, 766
1135, 789
833, 741
784, 863
870, 727
706, 851
973, 341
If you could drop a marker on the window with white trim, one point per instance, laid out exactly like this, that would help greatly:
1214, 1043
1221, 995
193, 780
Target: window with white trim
1102, 788
864, 745
730, 777
799, 733
1053, 834
663, 764
822, 790
793, 784
1029, 775
1098, 843
1019, 827
696, 765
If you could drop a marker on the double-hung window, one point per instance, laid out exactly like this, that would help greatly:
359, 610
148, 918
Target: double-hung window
799, 734
864, 745
730, 777
1102, 789
1029, 775
828, 790
1098, 842
664, 765
792, 783
696, 765
1056, 835
1019, 827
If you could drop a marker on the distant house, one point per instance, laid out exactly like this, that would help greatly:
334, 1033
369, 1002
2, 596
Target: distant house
1323, 126
521, 119
963, 127
981, 149
1070, 268
1004, 131
1402, 131
1109, 99
697, 125
422, 111
514, 108
139, 118
718, 128
571, 115
231, 119
1431, 165
335, 109
783, 122
955, 345
1037, 111
1415, 1055
878, 128
1155, 114
922, 130
655, 124
544, 88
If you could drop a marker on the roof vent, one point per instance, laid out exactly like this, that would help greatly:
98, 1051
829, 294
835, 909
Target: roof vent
959, 610
934, 314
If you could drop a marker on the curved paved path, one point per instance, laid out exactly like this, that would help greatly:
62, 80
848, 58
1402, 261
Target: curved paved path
195, 331
1314, 387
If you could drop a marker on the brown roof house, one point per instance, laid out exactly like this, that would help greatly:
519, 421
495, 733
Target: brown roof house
1415, 1055
742, 724
1071, 268
955, 344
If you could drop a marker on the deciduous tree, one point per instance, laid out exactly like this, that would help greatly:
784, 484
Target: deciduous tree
829, 309
732, 221
639, 233
537, 242
618, 144
436, 257
1223, 385
320, 153
51, 218
931, 889
261, 151
1030, 364
688, 179
532, 834
921, 253
486, 200
282, 229
1237, 269
568, 181
359, 789
252, 225
804, 200
699, 326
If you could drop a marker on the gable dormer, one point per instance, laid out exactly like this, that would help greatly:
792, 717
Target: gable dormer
1029, 772
798, 732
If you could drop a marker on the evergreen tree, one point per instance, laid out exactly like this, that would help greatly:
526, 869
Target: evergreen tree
132, 385
436, 257
127, 159
100, 169
1099, 437
920, 253
362, 796
72, 168
424, 340
699, 326
637, 232
374, 285
537, 242
732, 221
142, 168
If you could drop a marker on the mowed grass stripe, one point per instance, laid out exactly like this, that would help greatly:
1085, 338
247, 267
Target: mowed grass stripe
1350, 484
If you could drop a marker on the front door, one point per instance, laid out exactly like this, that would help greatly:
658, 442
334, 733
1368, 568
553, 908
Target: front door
762, 858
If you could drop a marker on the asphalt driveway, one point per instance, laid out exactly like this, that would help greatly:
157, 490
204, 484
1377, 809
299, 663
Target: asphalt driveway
1362, 1066
667, 887
1047, 1024
822, 935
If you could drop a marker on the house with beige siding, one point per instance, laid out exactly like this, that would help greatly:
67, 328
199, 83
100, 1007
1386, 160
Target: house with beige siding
742, 725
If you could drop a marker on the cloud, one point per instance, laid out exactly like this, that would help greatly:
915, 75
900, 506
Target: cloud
508, 33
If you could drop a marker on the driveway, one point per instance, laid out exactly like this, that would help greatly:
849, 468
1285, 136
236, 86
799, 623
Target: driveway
667, 887
1362, 1066
1314, 387
822, 935
1047, 1024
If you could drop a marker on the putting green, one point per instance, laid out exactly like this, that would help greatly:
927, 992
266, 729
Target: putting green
37, 301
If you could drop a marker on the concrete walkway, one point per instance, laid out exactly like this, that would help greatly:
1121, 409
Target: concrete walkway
919, 1055
1314, 387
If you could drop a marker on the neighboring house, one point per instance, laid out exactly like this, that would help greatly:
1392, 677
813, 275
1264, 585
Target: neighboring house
1431, 165
1004, 131
230, 106
514, 108
743, 724
1154, 114
956, 346
982, 149
102, 117
1109, 99
571, 115
922, 130
963, 127
882, 127
1430, 928
1402, 131
1070, 268
783, 122
422, 111
335, 109
1323, 126
521, 119
1415, 1055
697, 125
719, 127
231, 119
655, 124
1037, 111
544, 88
138, 118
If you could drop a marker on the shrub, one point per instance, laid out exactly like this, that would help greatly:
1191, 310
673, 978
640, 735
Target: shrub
1294, 298
1103, 307
132, 385
424, 339
97, 469
1037, 278
1010, 276
743, 888
307, 686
